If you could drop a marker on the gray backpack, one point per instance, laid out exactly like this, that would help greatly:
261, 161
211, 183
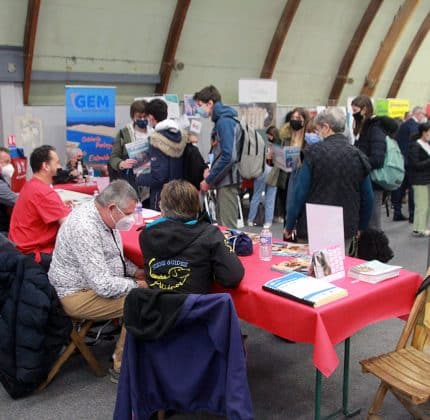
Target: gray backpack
251, 152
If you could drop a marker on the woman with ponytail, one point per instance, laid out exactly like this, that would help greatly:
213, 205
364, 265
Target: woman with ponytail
419, 175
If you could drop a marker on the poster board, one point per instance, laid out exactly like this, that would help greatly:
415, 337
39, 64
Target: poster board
90, 122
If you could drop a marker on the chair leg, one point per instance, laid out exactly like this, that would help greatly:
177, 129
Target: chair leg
414, 411
86, 353
377, 401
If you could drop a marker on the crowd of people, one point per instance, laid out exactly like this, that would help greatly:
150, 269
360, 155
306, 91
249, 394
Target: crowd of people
81, 249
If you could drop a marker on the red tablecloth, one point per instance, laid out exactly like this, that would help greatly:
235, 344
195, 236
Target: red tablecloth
325, 326
83, 188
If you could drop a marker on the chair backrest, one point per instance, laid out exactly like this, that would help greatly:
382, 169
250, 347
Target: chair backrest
203, 346
418, 323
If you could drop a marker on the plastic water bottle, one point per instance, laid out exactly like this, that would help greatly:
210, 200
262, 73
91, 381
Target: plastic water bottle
90, 177
80, 169
266, 244
138, 213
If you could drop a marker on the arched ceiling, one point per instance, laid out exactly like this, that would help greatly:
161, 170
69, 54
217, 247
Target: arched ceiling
220, 42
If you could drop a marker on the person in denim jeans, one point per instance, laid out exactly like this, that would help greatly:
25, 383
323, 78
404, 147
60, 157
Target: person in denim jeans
260, 186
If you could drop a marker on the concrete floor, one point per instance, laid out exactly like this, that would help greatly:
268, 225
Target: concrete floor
281, 375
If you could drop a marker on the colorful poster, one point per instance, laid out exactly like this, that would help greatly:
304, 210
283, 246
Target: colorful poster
90, 121
394, 108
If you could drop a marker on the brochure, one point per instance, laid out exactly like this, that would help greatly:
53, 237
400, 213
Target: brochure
327, 264
286, 157
139, 150
374, 271
304, 289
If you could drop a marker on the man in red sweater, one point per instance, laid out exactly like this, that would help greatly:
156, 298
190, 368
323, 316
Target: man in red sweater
39, 211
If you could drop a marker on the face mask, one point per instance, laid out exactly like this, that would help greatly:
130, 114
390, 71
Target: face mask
202, 112
125, 223
311, 138
296, 125
358, 116
424, 120
142, 124
7, 171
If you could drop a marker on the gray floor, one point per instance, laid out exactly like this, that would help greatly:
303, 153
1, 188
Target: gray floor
281, 375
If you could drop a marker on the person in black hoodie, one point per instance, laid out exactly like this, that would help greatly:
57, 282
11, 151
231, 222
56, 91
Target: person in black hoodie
185, 254
370, 139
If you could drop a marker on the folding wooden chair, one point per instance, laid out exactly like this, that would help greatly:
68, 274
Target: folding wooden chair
79, 331
406, 371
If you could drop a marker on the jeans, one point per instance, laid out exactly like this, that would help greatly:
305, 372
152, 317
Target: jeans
397, 197
375, 218
260, 186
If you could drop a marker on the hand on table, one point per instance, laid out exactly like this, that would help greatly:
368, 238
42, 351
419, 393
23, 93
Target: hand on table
142, 284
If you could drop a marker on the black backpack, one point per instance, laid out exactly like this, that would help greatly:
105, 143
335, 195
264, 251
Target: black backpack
193, 165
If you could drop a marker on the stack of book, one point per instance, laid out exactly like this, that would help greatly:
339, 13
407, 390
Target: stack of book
374, 271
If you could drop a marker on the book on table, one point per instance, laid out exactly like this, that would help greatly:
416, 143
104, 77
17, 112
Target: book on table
374, 271
304, 289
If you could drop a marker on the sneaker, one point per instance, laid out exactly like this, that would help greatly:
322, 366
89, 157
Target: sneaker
399, 218
419, 234
114, 375
278, 219
250, 224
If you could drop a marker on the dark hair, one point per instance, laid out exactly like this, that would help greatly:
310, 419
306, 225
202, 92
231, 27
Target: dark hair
158, 109
5, 149
389, 125
362, 101
138, 106
303, 112
421, 129
273, 131
39, 156
288, 116
180, 200
208, 93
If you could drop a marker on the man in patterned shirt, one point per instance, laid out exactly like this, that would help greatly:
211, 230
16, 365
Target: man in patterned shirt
89, 270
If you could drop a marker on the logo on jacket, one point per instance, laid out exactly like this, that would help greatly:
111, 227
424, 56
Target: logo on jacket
176, 275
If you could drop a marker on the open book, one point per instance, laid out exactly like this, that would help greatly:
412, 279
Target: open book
304, 289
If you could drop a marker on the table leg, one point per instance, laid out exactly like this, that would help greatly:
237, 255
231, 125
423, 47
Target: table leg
345, 389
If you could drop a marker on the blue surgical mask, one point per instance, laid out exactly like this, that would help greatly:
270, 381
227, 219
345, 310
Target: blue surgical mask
142, 124
202, 112
311, 138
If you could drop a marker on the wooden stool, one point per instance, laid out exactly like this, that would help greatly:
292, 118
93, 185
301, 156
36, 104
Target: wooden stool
79, 331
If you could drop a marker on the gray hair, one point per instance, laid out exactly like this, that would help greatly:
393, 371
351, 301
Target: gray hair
417, 110
73, 152
118, 192
334, 117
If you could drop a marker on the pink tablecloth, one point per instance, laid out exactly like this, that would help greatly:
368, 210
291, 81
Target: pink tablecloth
324, 327
83, 188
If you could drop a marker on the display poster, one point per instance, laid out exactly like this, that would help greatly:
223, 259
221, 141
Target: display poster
190, 106
257, 102
90, 122
394, 108
325, 227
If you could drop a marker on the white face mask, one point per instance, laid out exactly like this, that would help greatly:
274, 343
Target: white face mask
8, 171
125, 223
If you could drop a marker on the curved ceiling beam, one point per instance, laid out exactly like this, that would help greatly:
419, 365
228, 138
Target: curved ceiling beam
172, 42
409, 57
352, 50
387, 46
278, 38
33, 8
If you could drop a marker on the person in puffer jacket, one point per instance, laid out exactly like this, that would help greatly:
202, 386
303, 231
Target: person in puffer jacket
166, 147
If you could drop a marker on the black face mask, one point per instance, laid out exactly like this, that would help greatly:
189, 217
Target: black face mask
296, 125
358, 116
142, 124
